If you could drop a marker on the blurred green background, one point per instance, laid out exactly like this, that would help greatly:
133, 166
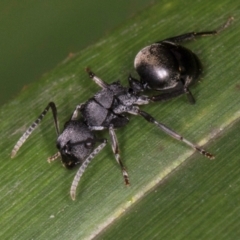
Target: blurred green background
37, 35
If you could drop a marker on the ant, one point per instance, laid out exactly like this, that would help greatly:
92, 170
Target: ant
107, 109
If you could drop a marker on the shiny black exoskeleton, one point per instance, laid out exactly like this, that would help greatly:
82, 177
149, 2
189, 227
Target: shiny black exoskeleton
169, 67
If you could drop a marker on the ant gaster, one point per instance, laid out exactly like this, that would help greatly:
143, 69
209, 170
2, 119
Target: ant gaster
170, 68
106, 111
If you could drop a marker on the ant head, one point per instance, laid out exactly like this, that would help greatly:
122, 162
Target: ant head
75, 143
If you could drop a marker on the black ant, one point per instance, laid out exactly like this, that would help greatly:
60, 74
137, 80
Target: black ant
107, 109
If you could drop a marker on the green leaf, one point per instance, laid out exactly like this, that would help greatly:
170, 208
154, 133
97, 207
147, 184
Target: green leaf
198, 200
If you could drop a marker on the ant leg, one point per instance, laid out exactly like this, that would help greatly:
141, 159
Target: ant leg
167, 96
193, 35
83, 168
170, 132
187, 91
96, 79
29, 131
115, 148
